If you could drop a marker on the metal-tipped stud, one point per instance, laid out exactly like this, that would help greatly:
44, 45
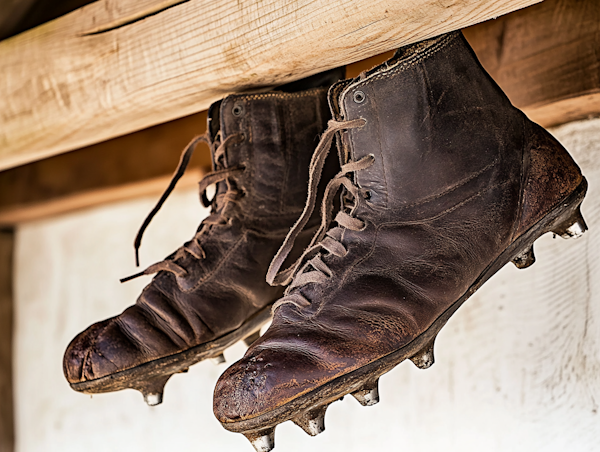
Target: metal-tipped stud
152, 389
525, 259
252, 338
424, 358
573, 227
153, 398
219, 359
368, 395
313, 421
263, 440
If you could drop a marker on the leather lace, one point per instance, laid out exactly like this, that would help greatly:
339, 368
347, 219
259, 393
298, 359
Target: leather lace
310, 267
220, 203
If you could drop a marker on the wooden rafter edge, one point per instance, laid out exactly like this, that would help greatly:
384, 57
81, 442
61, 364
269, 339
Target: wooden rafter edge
111, 68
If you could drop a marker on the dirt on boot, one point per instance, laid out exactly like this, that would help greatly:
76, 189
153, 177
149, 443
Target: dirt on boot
211, 292
444, 182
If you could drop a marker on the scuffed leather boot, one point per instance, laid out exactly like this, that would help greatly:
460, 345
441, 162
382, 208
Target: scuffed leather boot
444, 182
212, 292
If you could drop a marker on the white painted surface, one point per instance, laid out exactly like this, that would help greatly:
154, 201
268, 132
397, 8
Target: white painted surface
517, 368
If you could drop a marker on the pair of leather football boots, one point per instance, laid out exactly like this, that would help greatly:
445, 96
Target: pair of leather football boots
440, 182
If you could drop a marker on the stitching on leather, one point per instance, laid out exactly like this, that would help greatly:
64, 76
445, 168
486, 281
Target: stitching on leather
350, 269
458, 185
450, 209
407, 63
224, 259
306, 93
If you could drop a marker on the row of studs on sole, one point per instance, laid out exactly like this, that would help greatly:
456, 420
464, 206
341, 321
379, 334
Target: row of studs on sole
313, 420
153, 389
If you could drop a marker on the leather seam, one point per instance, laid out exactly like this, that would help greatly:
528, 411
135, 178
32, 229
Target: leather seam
216, 268
455, 187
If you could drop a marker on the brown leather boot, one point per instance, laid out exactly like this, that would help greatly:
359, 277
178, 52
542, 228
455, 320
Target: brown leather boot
212, 292
444, 182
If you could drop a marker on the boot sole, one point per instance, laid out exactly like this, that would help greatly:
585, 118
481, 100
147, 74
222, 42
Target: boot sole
362, 382
150, 378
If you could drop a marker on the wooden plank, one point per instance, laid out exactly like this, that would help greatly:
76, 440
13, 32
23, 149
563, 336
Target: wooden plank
7, 440
91, 75
546, 58
134, 165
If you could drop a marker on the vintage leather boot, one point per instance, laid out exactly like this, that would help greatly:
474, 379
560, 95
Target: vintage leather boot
212, 292
444, 182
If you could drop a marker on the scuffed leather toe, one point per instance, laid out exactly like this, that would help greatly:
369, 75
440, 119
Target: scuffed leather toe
81, 357
107, 347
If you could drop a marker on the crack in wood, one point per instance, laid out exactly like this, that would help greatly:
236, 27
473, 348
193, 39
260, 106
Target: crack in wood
124, 21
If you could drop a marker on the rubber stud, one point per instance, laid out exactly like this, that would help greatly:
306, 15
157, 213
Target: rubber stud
152, 389
219, 359
368, 395
263, 440
252, 338
525, 259
313, 421
424, 359
573, 227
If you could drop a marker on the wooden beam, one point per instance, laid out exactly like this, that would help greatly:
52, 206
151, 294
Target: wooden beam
139, 164
117, 66
546, 58
134, 165
7, 437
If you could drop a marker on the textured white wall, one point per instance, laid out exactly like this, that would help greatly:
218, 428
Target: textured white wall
517, 368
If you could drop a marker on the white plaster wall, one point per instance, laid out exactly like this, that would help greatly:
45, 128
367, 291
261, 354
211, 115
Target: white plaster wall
517, 368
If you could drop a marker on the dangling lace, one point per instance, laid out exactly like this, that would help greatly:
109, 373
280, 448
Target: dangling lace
219, 202
323, 239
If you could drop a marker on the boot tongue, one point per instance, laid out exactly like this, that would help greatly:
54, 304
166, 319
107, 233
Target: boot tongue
334, 98
214, 123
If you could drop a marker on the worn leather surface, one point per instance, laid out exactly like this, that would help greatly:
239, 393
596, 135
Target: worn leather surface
458, 174
221, 291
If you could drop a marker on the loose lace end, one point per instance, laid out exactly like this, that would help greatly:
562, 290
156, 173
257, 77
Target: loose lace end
129, 278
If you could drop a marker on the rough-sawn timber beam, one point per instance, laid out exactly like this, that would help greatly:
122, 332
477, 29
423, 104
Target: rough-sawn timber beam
117, 66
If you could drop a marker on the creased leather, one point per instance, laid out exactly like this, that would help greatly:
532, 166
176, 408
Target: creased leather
219, 292
457, 170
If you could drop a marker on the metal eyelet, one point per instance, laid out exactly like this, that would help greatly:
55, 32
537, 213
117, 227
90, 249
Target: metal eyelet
237, 110
359, 97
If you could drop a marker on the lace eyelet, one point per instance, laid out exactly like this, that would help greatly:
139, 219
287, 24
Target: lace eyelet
359, 97
367, 195
237, 110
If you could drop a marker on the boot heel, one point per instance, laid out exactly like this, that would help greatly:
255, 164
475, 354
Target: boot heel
573, 227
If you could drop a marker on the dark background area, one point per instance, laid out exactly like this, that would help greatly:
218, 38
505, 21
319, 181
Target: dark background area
17, 16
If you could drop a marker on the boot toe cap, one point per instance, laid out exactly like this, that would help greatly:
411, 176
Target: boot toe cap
266, 380
81, 361
100, 350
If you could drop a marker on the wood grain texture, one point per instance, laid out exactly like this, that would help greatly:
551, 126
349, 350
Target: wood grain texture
98, 73
133, 165
546, 58
138, 164
6, 342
